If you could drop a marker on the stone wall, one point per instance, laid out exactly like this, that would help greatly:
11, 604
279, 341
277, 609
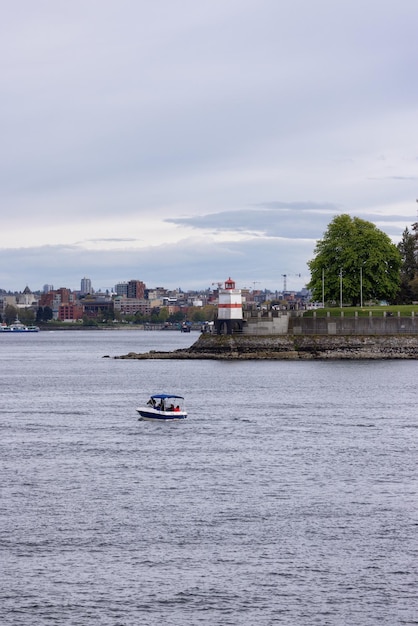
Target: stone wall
305, 347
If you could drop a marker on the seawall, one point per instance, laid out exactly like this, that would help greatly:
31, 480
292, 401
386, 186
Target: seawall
292, 347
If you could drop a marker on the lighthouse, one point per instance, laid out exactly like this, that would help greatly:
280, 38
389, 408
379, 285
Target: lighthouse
229, 309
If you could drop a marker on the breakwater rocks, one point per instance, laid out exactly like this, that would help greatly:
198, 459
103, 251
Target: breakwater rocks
292, 347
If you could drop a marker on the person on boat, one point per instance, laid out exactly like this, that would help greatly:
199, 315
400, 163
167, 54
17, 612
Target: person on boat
151, 402
177, 409
171, 407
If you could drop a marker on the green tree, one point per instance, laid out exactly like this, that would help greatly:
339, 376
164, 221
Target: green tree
163, 315
356, 255
27, 316
159, 315
44, 314
108, 315
202, 313
89, 321
117, 315
197, 314
48, 314
139, 318
10, 314
178, 316
408, 251
413, 286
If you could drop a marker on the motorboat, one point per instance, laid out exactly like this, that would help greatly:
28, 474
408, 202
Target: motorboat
18, 327
166, 407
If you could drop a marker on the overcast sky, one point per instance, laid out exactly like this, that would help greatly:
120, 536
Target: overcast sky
182, 142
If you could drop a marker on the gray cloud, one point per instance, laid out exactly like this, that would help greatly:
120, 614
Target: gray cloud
264, 222
298, 220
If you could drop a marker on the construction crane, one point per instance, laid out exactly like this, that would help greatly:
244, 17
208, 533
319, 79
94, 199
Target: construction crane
284, 276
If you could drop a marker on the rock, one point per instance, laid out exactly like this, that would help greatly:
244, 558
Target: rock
292, 347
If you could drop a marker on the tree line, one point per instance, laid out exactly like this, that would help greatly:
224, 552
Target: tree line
157, 315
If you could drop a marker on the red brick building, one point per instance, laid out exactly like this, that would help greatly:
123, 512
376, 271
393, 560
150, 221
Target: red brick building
69, 312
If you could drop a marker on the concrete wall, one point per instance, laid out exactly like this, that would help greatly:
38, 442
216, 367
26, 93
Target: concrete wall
266, 324
283, 323
395, 325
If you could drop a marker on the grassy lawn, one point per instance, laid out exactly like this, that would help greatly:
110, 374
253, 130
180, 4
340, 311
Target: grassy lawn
404, 310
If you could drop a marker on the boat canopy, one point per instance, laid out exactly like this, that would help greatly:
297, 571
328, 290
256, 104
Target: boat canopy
164, 396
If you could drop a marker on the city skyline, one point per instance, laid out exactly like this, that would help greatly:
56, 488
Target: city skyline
184, 143
122, 289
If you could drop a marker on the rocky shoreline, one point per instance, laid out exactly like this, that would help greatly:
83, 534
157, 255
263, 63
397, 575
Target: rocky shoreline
291, 347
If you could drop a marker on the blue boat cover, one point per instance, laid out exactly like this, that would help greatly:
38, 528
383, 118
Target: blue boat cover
164, 396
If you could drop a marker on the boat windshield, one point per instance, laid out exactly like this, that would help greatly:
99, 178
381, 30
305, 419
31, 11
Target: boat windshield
166, 402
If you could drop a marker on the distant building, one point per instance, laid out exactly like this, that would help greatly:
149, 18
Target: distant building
54, 299
70, 312
85, 286
97, 304
23, 300
131, 306
6, 300
136, 289
26, 299
121, 289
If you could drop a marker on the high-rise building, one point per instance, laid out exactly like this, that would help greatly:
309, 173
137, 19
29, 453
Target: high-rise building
85, 287
136, 289
121, 289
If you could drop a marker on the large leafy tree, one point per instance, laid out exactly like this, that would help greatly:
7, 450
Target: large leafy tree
355, 255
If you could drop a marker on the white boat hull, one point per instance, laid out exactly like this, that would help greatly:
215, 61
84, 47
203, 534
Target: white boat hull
148, 413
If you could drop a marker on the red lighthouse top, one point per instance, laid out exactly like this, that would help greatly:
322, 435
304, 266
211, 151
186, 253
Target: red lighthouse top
229, 284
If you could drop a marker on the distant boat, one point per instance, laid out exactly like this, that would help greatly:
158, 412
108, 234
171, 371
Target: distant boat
163, 407
18, 327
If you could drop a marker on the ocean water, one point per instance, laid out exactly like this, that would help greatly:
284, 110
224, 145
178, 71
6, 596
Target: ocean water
288, 496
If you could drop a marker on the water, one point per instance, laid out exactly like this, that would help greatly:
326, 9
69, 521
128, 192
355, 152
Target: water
288, 496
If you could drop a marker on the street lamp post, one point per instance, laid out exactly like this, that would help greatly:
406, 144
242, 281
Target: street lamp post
341, 287
323, 288
361, 286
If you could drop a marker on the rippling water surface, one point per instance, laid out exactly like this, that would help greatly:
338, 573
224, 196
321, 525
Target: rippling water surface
288, 496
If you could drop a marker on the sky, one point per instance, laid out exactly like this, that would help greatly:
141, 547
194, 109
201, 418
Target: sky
182, 143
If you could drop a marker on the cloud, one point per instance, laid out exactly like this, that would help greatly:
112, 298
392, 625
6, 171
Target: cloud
261, 222
298, 220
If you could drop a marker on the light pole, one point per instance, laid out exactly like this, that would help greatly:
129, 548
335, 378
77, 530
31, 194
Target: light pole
341, 287
361, 286
323, 288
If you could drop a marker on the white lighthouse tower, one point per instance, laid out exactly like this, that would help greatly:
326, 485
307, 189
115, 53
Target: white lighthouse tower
229, 309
